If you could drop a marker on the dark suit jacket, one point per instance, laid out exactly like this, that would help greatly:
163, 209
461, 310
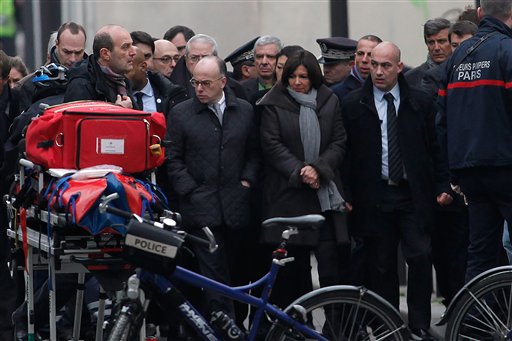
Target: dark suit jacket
426, 170
166, 93
207, 161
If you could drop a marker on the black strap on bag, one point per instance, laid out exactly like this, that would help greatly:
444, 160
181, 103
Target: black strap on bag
469, 51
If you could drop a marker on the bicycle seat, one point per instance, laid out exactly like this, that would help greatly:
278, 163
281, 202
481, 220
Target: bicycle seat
305, 221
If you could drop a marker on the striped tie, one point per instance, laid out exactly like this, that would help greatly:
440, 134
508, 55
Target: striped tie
395, 167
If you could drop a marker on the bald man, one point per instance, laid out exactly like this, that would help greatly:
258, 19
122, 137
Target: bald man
214, 191
395, 173
102, 76
165, 58
152, 91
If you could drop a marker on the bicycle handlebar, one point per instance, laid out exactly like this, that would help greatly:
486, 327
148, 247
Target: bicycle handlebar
209, 243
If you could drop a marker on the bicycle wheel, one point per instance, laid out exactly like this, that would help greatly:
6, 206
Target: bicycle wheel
484, 312
345, 313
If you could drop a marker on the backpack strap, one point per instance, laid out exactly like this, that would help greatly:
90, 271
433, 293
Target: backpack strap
469, 51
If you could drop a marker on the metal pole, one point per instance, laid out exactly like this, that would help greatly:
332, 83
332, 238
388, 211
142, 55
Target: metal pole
339, 18
36, 31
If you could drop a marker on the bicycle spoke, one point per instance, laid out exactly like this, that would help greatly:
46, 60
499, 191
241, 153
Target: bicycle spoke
347, 317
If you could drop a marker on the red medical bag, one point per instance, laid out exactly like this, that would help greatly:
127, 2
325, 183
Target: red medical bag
83, 134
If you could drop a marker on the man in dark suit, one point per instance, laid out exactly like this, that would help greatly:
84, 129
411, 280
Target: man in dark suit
393, 173
213, 164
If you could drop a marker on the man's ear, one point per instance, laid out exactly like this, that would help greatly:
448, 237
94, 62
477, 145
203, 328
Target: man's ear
105, 54
144, 66
400, 66
246, 71
224, 81
480, 13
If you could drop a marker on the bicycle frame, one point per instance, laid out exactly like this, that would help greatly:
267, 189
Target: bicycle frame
202, 326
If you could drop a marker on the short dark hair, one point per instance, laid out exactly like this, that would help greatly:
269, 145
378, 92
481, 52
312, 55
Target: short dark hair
461, 28
309, 61
469, 14
5, 64
144, 38
18, 64
371, 37
288, 50
223, 70
501, 9
173, 31
102, 40
73, 27
434, 26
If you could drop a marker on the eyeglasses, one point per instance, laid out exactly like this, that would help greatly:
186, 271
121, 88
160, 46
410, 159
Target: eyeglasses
206, 83
197, 57
167, 59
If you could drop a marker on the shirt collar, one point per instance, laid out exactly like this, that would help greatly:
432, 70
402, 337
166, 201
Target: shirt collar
221, 102
379, 94
147, 90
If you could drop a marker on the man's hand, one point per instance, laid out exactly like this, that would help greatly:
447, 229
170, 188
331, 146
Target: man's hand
310, 176
124, 101
444, 199
348, 207
245, 183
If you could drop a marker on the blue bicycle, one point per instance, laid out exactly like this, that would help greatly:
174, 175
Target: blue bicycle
330, 313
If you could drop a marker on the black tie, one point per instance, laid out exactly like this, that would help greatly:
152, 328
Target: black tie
140, 104
395, 167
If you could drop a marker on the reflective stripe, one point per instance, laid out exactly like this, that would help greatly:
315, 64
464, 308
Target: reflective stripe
483, 82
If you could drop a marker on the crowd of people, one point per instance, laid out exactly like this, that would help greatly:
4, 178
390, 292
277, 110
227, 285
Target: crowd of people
392, 157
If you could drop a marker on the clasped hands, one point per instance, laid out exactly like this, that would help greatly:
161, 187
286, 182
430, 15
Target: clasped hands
310, 177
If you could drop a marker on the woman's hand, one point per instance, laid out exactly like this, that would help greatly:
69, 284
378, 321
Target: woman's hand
310, 176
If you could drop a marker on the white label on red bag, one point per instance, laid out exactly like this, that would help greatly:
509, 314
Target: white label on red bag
152, 246
112, 146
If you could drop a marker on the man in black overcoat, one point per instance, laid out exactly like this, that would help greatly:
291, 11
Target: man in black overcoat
213, 165
394, 172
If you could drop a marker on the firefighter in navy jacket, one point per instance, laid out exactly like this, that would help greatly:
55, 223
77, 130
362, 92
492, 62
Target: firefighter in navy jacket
475, 129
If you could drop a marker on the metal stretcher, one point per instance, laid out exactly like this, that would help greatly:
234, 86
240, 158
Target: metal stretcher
69, 249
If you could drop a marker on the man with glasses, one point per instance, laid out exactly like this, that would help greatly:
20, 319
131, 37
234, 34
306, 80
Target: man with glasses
213, 162
151, 90
165, 58
198, 47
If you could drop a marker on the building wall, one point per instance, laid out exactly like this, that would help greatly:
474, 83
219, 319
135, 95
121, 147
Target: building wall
400, 21
233, 22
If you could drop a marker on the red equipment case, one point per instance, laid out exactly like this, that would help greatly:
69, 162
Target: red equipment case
86, 133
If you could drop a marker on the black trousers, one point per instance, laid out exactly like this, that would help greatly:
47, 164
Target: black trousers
489, 194
219, 265
400, 226
449, 249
